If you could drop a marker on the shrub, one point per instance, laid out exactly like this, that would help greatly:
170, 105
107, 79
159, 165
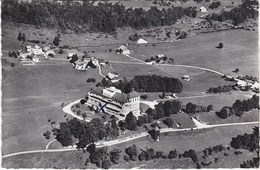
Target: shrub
209, 108
35, 41
12, 64
144, 96
168, 122
225, 112
82, 101
61, 51
172, 154
126, 158
47, 134
220, 45
91, 80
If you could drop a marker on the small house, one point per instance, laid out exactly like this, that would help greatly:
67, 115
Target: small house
186, 77
202, 9
86, 58
113, 77
28, 48
141, 41
95, 61
50, 53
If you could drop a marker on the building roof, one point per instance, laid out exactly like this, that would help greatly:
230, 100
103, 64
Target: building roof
132, 94
123, 47
97, 90
111, 76
119, 97
141, 41
160, 55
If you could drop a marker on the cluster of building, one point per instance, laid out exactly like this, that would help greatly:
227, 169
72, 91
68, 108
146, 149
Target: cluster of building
35, 54
246, 85
112, 101
84, 63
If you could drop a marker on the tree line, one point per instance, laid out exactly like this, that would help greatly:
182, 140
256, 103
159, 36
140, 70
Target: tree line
193, 108
238, 14
239, 107
247, 141
104, 17
219, 89
103, 158
146, 83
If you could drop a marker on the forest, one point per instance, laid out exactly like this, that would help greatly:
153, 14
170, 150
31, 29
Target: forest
239, 14
146, 83
104, 17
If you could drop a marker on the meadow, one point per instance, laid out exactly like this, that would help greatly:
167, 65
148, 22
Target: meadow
32, 98
240, 51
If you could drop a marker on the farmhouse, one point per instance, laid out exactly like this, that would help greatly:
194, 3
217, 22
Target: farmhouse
34, 53
113, 101
122, 50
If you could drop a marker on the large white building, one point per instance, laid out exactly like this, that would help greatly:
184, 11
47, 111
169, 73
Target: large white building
113, 101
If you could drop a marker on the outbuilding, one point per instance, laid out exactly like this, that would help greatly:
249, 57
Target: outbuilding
203, 9
141, 41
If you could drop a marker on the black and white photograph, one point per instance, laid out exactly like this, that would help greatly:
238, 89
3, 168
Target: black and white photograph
129, 84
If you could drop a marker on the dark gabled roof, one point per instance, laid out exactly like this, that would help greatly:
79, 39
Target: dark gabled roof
132, 94
119, 97
97, 90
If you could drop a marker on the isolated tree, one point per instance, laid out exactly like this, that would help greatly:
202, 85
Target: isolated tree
23, 37
209, 108
12, 64
56, 41
19, 38
220, 45
225, 112
84, 116
131, 121
190, 108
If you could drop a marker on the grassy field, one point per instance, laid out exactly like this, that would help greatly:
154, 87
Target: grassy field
34, 94
219, 100
181, 141
212, 118
240, 51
